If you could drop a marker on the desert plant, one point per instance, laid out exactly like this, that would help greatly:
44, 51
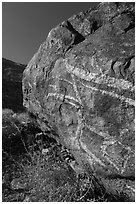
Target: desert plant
35, 170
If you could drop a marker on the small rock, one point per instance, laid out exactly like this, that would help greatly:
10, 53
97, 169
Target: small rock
45, 151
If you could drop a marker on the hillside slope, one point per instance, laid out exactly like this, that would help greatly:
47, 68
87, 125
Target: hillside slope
12, 85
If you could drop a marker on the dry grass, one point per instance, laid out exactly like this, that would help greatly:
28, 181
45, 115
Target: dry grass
33, 168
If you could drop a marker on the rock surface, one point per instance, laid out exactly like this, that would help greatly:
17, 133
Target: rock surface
81, 84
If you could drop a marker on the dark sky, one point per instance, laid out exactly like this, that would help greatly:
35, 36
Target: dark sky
26, 25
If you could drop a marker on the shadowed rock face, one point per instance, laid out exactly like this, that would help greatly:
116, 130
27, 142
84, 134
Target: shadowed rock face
81, 84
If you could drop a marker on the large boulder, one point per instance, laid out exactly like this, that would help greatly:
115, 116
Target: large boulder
80, 83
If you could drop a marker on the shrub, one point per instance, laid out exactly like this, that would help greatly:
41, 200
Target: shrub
34, 169
30, 166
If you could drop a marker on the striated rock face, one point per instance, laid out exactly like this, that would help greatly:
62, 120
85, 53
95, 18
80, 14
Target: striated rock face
81, 84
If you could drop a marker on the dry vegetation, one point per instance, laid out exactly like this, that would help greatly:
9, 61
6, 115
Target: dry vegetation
34, 169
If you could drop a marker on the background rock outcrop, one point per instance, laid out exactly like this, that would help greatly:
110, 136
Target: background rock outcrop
12, 97
80, 83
